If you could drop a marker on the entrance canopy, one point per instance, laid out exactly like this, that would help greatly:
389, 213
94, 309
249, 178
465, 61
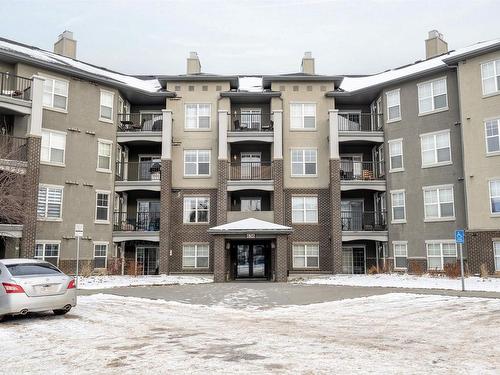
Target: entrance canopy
250, 225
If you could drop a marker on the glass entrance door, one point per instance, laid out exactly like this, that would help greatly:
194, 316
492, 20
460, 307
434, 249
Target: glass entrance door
251, 260
146, 260
353, 260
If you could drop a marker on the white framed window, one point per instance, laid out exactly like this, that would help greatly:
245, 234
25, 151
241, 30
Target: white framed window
438, 203
197, 163
53, 148
492, 133
305, 255
303, 116
396, 163
435, 148
304, 162
102, 199
393, 102
400, 249
104, 148
48, 251
439, 253
106, 106
495, 197
432, 96
197, 116
490, 77
496, 255
50, 199
196, 209
398, 206
195, 255
101, 254
55, 93
304, 209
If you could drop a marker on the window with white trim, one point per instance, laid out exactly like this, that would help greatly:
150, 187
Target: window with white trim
438, 202
198, 116
304, 209
106, 107
304, 162
195, 255
495, 197
490, 77
305, 255
440, 253
196, 209
400, 249
396, 155
53, 147
100, 254
49, 202
398, 206
196, 162
104, 155
55, 93
492, 133
303, 115
496, 255
393, 102
435, 148
102, 207
432, 96
48, 251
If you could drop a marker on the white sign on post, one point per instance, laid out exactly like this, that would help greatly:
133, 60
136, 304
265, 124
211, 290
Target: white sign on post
78, 230
78, 235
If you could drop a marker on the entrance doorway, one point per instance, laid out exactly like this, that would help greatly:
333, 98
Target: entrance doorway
251, 260
354, 260
146, 260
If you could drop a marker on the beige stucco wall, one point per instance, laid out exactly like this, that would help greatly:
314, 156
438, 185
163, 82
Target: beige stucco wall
479, 167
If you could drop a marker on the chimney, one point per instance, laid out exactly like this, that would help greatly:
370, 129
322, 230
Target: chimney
435, 45
193, 63
66, 45
307, 66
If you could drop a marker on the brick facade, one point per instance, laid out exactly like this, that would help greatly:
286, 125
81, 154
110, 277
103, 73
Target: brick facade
335, 221
220, 259
279, 197
165, 216
479, 246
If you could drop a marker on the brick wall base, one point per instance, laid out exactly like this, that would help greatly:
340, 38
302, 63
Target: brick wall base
479, 246
165, 215
336, 229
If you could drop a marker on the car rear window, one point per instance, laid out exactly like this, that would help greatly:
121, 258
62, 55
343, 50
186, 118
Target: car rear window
26, 269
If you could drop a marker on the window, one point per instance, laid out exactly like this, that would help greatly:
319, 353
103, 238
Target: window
55, 93
197, 116
197, 163
435, 148
196, 209
305, 256
304, 209
48, 251
102, 207
106, 110
400, 254
104, 155
440, 253
495, 196
490, 75
396, 155
438, 203
303, 116
195, 256
492, 130
398, 206
432, 96
496, 254
100, 254
53, 147
304, 162
251, 204
393, 105
50, 202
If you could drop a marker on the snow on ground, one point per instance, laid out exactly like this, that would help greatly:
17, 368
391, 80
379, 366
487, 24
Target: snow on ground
391, 333
105, 282
408, 281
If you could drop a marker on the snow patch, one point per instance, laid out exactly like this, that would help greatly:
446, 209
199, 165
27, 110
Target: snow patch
106, 282
251, 84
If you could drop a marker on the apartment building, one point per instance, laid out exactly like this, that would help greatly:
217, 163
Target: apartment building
252, 177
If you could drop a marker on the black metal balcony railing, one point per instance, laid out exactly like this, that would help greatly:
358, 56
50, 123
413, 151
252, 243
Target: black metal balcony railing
140, 222
138, 171
140, 122
15, 86
251, 170
360, 122
361, 170
255, 122
13, 148
363, 220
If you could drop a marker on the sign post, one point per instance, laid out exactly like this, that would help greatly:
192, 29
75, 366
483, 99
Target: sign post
459, 239
78, 234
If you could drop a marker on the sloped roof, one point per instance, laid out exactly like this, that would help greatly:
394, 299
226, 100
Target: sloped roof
250, 225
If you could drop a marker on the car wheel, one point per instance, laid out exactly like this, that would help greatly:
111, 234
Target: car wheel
61, 312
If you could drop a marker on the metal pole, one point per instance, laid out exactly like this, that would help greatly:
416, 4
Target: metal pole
77, 258
462, 267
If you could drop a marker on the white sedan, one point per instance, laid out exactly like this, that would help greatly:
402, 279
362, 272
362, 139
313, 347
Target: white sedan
29, 285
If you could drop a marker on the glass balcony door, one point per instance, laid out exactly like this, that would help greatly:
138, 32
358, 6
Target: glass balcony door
250, 165
251, 119
148, 215
149, 167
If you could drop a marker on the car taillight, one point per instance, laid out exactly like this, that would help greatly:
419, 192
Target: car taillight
12, 288
71, 284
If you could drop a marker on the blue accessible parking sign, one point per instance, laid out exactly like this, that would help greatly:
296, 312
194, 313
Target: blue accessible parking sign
459, 236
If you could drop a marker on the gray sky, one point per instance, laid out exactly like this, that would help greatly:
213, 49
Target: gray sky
245, 37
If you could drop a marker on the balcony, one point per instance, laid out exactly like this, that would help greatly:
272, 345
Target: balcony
362, 175
250, 175
364, 225
251, 127
139, 127
143, 175
233, 216
141, 226
360, 126
15, 87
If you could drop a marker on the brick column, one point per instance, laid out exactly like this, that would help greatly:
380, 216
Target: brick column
281, 258
222, 170
279, 196
219, 259
165, 212
336, 228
